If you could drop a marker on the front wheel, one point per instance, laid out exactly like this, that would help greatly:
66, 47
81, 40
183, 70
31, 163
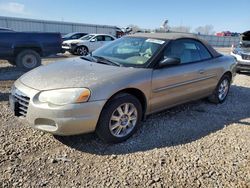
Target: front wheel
119, 119
82, 51
221, 91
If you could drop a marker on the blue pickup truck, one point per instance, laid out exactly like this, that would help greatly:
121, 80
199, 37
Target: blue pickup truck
25, 49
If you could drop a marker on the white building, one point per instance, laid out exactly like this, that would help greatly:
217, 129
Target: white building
23, 24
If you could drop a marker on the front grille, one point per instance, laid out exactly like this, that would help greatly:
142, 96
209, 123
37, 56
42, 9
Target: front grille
23, 102
245, 56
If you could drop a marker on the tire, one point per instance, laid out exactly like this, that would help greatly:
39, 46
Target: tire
28, 59
223, 86
109, 129
82, 51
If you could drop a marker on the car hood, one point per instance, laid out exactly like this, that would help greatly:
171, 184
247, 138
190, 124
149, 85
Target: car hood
73, 73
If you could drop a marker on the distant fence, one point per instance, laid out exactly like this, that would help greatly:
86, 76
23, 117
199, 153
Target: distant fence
217, 41
23, 24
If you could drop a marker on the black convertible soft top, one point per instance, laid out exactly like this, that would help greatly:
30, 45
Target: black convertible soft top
175, 36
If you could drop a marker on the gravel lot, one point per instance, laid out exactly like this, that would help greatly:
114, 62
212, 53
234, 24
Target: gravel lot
193, 145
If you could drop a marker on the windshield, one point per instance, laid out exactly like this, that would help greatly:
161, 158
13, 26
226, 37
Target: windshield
68, 35
130, 51
87, 37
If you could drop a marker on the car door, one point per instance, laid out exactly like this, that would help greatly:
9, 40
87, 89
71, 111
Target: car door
6, 42
99, 42
189, 80
107, 39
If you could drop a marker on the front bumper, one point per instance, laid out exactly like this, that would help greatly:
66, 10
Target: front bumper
60, 120
66, 48
71, 48
242, 64
243, 67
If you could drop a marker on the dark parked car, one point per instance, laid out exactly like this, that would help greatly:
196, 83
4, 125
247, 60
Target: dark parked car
72, 36
25, 49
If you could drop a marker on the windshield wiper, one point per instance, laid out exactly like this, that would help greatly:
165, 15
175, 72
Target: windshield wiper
88, 58
104, 60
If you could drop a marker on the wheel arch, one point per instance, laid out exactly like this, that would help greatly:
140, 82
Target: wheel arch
136, 93
228, 73
18, 50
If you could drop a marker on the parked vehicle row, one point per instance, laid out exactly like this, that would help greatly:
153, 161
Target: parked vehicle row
86, 44
25, 49
227, 34
112, 89
73, 36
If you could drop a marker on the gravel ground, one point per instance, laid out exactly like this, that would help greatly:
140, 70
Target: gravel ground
193, 145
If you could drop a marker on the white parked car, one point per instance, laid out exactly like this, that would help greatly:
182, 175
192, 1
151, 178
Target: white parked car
86, 44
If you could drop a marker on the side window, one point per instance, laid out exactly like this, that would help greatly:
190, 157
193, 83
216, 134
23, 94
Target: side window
203, 51
184, 49
99, 38
108, 38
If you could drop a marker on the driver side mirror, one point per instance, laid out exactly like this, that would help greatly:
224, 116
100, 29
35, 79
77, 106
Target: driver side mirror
93, 40
169, 61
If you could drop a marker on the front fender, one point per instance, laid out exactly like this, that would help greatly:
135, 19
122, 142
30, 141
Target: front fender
105, 89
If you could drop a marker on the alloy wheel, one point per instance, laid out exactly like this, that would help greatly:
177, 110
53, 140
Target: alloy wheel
82, 51
223, 89
123, 120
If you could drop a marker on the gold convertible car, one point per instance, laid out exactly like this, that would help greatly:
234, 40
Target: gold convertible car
111, 90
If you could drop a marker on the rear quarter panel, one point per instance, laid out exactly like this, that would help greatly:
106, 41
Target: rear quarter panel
225, 63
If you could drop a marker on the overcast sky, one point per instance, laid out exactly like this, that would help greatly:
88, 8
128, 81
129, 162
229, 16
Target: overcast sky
222, 14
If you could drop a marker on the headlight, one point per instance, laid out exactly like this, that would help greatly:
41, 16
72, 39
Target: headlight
65, 96
74, 43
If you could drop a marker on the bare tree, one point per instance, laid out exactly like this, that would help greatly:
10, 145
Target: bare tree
134, 28
159, 30
184, 29
205, 30
164, 26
